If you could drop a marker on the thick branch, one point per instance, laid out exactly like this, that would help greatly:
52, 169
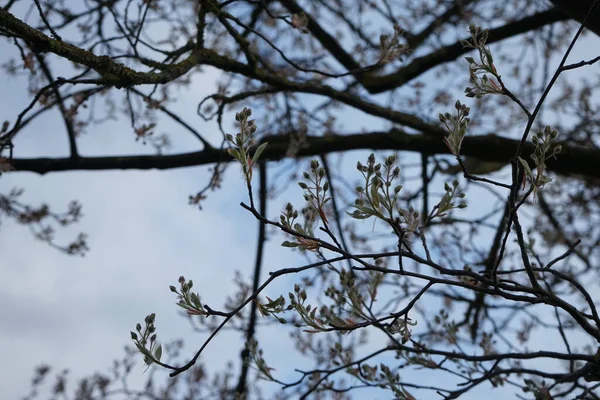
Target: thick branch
571, 161
378, 84
113, 73
578, 10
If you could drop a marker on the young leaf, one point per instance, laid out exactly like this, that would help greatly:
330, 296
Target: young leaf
158, 352
258, 152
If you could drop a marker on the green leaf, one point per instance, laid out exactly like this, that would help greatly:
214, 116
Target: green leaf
374, 197
382, 199
258, 152
196, 300
239, 142
235, 154
298, 228
158, 352
365, 209
526, 167
289, 244
358, 215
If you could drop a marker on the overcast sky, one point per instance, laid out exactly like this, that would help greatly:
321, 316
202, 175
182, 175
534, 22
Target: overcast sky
76, 313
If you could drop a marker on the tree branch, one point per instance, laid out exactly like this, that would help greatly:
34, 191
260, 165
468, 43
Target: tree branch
378, 84
578, 11
573, 160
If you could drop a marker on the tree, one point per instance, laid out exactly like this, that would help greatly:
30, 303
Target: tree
481, 227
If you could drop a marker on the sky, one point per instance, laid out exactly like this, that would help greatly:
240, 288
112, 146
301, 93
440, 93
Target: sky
68, 311
77, 312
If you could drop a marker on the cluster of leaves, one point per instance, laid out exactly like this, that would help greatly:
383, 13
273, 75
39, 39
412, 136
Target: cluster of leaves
306, 312
258, 360
146, 342
538, 388
377, 198
447, 203
401, 326
390, 47
243, 142
187, 299
315, 189
303, 235
481, 83
456, 126
347, 297
382, 376
545, 148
